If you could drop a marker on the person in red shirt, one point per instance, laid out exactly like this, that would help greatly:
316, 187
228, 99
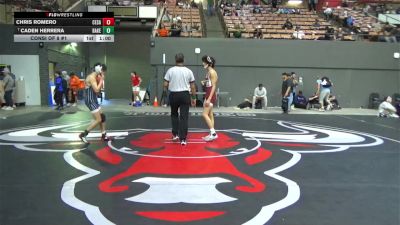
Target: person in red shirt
136, 81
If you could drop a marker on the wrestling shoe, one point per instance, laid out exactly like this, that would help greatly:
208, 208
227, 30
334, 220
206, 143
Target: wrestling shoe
175, 138
183, 142
104, 137
210, 137
82, 136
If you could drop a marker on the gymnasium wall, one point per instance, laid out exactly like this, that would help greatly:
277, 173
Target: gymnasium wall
356, 68
129, 52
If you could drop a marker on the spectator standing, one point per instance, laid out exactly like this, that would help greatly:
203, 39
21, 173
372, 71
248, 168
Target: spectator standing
67, 89
295, 83
8, 89
2, 101
136, 81
210, 7
312, 5
286, 92
74, 84
60, 89
325, 91
14, 87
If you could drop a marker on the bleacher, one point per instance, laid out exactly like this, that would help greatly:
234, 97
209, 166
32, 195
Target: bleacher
271, 23
189, 17
362, 23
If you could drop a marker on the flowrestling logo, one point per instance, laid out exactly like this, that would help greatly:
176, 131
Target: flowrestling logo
147, 178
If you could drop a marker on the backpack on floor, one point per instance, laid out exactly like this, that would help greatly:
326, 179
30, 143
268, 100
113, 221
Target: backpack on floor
374, 101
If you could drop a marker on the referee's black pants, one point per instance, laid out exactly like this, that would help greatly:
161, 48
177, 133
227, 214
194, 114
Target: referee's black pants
181, 101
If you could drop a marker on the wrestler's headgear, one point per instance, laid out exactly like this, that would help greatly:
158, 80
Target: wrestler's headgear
98, 67
208, 60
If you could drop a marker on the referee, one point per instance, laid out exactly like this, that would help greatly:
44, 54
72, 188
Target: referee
178, 80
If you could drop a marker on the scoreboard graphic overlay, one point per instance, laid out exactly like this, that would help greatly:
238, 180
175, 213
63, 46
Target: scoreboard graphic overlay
64, 27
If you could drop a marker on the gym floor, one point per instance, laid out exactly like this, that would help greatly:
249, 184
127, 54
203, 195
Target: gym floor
303, 168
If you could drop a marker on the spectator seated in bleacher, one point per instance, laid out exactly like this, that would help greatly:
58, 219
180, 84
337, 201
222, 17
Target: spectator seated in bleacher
257, 10
234, 12
287, 11
387, 27
179, 3
345, 4
300, 101
176, 28
288, 25
274, 3
389, 32
194, 5
386, 109
166, 17
385, 36
314, 36
186, 27
195, 27
258, 34
238, 31
349, 21
225, 4
227, 12
339, 34
329, 33
163, 31
328, 12
366, 9
298, 33
316, 25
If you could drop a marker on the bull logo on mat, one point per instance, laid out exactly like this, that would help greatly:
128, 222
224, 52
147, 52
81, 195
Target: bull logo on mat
144, 177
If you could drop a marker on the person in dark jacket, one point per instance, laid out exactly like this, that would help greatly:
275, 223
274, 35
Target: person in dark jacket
61, 87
